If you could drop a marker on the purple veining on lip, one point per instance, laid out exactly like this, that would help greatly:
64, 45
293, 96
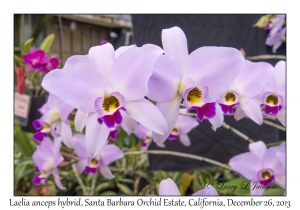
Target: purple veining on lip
112, 135
90, 170
37, 169
266, 182
172, 137
37, 125
228, 108
111, 120
208, 110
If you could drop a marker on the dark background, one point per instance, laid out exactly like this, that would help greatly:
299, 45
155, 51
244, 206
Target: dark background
210, 30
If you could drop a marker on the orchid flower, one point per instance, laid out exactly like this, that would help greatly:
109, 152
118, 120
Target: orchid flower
39, 60
182, 127
46, 159
90, 164
54, 120
199, 78
261, 166
168, 187
34, 59
277, 32
273, 97
109, 88
248, 84
145, 135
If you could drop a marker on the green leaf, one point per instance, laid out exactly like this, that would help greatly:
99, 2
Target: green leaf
19, 171
107, 193
186, 182
125, 180
196, 183
102, 186
18, 59
40, 26
27, 46
275, 144
23, 142
125, 189
273, 192
263, 21
142, 174
47, 43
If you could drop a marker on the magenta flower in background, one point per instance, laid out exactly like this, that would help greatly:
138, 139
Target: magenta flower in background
273, 96
168, 187
34, 59
110, 88
248, 84
182, 127
261, 166
90, 164
46, 159
145, 135
199, 78
54, 120
39, 60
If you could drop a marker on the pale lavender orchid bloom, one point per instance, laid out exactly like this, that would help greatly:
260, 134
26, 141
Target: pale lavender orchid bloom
46, 159
90, 164
54, 120
261, 166
109, 88
168, 187
273, 98
145, 135
198, 78
277, 32
182, 127
246, 86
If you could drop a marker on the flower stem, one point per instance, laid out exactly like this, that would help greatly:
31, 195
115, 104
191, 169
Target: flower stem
274, 125
79, 179
186, 155
263, 57
94, 181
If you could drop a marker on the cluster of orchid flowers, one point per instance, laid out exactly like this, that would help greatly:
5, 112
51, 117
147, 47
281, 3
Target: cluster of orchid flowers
111, 88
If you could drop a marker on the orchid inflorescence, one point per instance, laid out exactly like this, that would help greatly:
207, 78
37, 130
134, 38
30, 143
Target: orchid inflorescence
112, 89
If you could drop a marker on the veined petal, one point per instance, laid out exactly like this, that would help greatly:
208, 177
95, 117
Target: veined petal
128, 124
165, 80
184, 139
218, 120
252, 109
66, 134
186, 123
106, 172
110, 153
132, 70
214, 67
102, 57
96, 135
75, 59
247, 164
253, 78
279, 72
80, 120
170, 111
80, 146
146, 113
168, 187
239, 113
79, 86
281, 116
258, 148
81, 164
57, 179
175, 45
123, 49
